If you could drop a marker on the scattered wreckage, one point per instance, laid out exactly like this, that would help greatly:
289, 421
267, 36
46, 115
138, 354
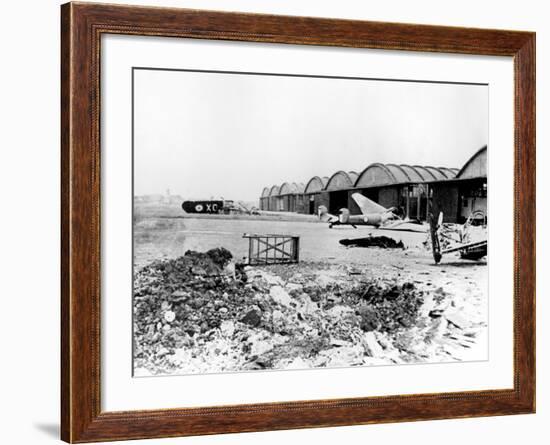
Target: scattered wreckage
449, 238
469, 239
383, 242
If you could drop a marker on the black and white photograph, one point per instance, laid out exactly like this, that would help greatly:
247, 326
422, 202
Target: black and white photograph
232, 221
300, 221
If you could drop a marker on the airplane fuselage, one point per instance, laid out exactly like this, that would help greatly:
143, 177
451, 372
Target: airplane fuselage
359, 220
371, 220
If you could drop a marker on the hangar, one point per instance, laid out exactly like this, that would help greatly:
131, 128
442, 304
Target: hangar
291, 197
264, 199
273, 200
465, 193
405, 187
337, 190
415, 190
314, 196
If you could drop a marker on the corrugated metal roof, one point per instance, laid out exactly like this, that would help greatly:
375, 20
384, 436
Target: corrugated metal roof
427, 174
414, 174
438, 174
274, 191
476, 166
448, 172
379, 175
399, 173
374, 175
288, 188
316, 184
340, 180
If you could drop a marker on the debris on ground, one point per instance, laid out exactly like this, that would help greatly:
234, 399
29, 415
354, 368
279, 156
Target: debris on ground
384, 242
202, 313
452, 235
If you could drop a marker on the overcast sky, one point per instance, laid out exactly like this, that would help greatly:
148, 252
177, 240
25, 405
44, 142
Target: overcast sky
205, 135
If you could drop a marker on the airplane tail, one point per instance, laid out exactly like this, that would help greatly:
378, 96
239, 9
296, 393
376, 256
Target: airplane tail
368, 206
324, 215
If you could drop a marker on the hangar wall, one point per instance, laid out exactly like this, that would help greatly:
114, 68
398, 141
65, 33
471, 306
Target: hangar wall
415, 190
445, 199
389, 197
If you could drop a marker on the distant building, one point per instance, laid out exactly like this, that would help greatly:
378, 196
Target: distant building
264, 199
291, 197
337, 188
314, 195
405, 187
414, 190
158, 199
273, 202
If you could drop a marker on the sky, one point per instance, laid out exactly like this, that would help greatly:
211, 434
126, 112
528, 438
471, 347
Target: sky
212, 135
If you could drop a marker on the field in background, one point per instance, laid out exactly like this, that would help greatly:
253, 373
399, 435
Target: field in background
160, 210
162, 236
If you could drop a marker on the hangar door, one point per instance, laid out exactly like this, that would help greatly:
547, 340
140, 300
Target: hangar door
337, 200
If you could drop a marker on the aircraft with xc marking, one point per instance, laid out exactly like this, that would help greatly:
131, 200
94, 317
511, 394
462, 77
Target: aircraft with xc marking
372, 214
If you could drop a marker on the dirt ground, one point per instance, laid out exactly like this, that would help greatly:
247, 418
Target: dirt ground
450, 324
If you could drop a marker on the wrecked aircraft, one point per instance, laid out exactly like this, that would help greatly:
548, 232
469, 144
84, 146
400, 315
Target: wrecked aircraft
373, 214
471, 244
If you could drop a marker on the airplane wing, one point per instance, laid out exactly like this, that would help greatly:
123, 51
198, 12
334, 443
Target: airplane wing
405, 226
368, 206
243, 206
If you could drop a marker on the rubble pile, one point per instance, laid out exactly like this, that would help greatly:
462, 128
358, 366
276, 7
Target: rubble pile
176, 299
202, 313
387, 308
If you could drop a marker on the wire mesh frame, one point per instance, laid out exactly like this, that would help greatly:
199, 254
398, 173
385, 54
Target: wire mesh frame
272, 249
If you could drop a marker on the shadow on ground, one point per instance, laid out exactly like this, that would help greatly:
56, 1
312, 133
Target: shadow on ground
461, 264
49, 429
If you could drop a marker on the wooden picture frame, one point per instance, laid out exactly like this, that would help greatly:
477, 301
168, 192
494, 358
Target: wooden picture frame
82, 26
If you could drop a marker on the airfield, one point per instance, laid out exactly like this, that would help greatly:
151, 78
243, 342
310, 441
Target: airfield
451, 323
170, 237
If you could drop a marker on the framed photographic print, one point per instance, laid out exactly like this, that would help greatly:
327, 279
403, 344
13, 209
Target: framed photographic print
274, 222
